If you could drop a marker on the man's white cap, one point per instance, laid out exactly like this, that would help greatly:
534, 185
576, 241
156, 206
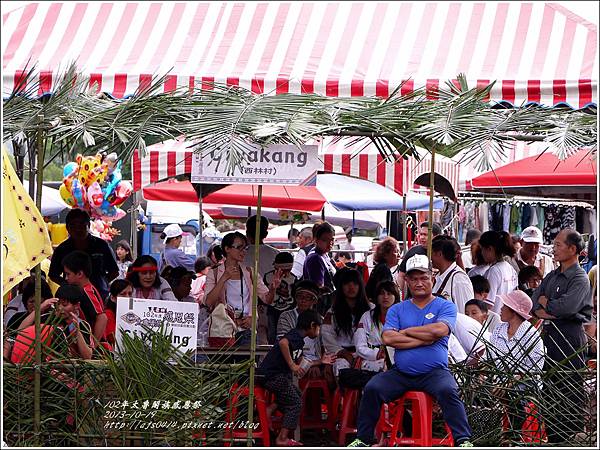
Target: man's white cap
418, 262
171, 231
532, 234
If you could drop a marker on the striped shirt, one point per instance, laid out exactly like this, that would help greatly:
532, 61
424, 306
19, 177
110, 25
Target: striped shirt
524, 350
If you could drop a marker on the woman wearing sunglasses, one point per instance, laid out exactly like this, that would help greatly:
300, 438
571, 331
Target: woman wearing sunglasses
231, 284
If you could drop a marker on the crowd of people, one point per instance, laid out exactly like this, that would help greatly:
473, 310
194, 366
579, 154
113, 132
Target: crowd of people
387, 330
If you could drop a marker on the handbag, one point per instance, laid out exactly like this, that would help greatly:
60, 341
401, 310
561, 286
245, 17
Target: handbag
221, 327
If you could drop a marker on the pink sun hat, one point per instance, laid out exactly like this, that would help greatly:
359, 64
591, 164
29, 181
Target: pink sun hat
519, 302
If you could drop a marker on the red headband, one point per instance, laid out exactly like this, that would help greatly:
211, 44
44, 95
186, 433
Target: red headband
145, 269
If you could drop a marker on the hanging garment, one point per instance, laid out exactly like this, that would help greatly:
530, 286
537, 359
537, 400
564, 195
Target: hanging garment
477, 221
579, 218
462, 218
541, 215
519, 228
525, 216
552, 222
567, 217
591, 219
514, 219
496, 217
506, 218
484, 224
534, 217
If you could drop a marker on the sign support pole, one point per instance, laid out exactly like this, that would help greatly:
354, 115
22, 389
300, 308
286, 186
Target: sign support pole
254, 317
200, 220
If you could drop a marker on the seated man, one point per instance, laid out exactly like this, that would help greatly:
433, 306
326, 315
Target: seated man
418, 329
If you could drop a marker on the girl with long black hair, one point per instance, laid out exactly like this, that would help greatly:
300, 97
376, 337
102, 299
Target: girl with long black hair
341, 321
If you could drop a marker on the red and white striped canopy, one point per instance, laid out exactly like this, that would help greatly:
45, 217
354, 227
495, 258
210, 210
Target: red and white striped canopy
537, 51
174, 157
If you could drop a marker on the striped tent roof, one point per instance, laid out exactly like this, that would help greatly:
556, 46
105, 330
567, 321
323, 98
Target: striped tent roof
537, 51
174, 157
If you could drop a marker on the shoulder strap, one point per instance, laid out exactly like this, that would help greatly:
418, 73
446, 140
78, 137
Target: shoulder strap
441, 288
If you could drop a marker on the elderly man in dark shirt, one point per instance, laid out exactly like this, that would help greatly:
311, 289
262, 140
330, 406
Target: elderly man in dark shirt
564, 301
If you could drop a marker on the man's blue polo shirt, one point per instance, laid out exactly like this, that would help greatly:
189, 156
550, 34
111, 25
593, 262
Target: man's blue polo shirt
424, 359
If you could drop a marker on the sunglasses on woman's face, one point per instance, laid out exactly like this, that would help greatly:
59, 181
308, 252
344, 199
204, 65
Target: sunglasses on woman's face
241, 247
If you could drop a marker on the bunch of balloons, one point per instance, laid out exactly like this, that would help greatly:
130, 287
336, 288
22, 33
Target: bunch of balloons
103, 230
95, 184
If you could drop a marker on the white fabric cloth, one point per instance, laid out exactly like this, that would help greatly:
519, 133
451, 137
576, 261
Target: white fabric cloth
367, 340
298, 267
469, 333
455, 350
458, 287
524, 351
503, 279
266, 256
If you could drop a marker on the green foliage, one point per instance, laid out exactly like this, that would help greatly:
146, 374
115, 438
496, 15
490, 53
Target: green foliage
228, 120
81, 400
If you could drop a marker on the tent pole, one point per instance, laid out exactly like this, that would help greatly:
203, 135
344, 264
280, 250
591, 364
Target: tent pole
323, 214
200, 220
430, 218
404, 225
134, 234
254, 318
37, 380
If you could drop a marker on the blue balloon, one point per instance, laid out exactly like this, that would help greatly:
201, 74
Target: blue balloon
69, 169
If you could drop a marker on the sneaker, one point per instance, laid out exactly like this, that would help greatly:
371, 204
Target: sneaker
357, 443
466, 444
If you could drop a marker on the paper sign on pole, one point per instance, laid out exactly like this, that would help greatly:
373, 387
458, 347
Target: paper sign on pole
180, 318
275, 164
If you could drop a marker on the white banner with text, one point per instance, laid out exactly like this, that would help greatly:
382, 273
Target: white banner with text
135, 316
275, 164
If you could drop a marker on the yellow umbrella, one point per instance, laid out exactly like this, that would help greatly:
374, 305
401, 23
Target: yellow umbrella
25, 240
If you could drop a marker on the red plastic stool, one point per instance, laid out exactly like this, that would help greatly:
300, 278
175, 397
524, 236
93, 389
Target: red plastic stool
422, 422
260, 403
384, 426
311, 416
347, 423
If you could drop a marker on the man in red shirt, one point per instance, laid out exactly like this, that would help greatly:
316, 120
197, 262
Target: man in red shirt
77, 267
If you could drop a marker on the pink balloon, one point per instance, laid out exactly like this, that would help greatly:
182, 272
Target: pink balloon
95, 195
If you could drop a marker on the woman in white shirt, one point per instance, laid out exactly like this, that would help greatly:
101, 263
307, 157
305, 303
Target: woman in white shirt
230, 283
518, 351
495, 245
340, 322
367, 338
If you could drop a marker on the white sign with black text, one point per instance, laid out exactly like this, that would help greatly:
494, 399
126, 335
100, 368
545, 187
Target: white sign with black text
180, 320
275, 164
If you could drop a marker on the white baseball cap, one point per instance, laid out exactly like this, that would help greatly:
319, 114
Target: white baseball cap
418, 262
171, 231
532, 234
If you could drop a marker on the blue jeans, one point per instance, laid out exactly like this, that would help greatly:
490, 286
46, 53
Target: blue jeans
391, 385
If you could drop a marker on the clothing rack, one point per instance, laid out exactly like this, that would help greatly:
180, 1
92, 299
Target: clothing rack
481, 197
